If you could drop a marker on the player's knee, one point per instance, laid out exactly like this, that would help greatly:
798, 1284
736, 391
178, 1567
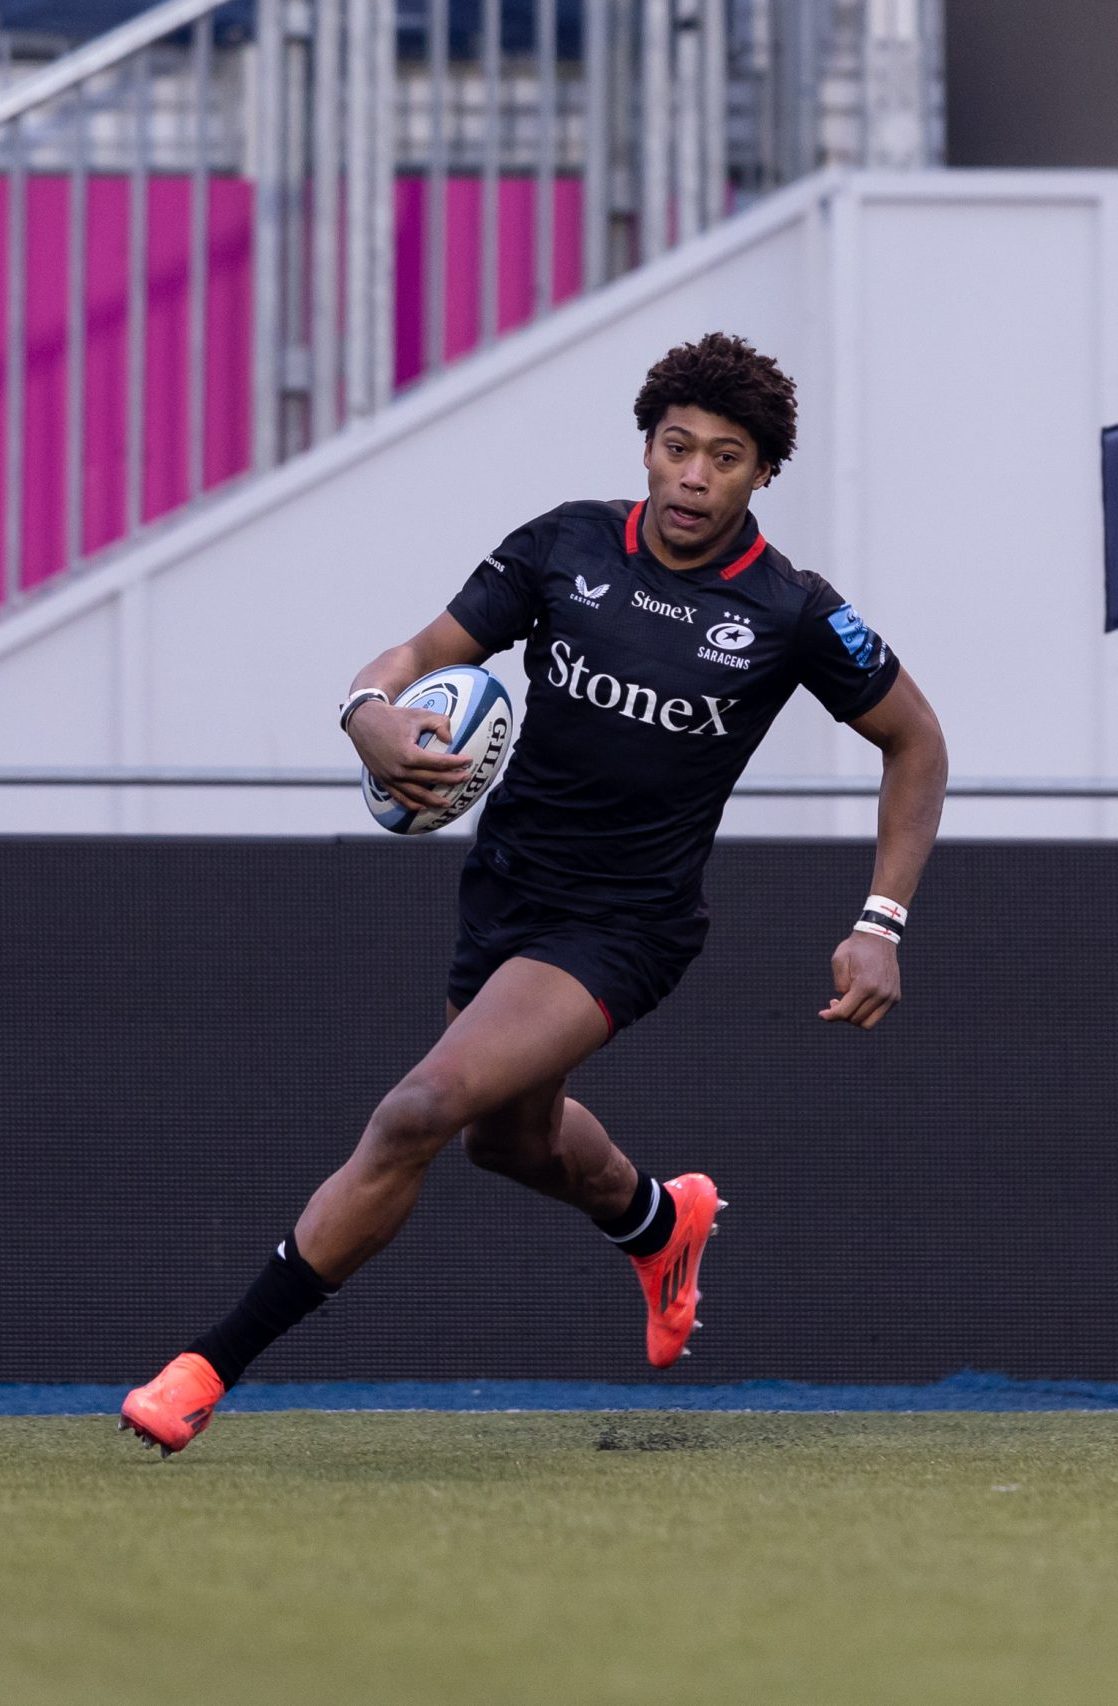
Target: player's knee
419, 1116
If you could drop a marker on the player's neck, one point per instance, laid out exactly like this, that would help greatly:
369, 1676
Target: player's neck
676, 559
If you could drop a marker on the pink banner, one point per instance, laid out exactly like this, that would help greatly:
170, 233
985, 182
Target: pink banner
227, 438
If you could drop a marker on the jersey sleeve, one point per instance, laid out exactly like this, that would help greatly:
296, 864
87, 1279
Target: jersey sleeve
841, 660
503, 597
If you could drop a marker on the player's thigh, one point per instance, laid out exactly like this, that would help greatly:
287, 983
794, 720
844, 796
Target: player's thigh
525, 1126
520, 1036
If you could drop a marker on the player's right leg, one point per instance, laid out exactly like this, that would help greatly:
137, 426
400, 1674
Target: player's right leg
529, 1026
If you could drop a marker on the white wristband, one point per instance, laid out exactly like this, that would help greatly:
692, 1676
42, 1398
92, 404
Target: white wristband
350, 705
892, 909
869, 929
883, 917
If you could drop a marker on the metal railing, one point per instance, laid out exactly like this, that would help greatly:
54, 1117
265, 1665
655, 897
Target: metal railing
670, 108
763, 787
319, 98
29, 106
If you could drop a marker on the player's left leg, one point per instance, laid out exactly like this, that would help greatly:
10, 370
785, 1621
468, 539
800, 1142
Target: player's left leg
551, 1143
544, 1139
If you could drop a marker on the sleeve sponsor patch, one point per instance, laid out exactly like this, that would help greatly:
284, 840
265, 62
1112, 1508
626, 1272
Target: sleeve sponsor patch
860, 641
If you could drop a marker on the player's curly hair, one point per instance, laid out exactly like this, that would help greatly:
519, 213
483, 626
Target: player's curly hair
725, 376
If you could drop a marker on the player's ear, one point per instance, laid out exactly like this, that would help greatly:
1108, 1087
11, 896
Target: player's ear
648, 451
763, 475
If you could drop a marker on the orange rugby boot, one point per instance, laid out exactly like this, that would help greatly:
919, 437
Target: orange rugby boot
670, 1278
175, 1406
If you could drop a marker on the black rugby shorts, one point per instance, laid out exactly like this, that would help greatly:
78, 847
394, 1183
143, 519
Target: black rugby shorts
627, 963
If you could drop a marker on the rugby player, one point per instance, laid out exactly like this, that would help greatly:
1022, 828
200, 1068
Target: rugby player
663, 637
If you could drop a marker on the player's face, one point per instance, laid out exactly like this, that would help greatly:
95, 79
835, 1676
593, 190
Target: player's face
702, 472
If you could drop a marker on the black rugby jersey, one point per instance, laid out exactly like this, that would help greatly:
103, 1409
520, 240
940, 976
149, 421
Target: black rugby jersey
649, 690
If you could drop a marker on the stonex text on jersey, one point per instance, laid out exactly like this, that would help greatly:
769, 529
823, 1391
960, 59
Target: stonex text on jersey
630, 699
602, 806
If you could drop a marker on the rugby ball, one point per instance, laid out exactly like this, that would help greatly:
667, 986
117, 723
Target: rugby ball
480, 714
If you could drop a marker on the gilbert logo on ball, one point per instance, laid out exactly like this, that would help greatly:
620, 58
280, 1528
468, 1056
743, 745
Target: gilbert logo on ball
480, 715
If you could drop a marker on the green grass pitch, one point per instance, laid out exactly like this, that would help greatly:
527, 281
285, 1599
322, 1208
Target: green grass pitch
563, 1560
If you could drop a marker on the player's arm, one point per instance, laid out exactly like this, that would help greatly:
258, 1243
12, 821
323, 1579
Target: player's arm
387, 737
914, 779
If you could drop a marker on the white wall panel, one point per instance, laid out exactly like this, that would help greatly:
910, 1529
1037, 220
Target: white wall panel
984, 496
59, 706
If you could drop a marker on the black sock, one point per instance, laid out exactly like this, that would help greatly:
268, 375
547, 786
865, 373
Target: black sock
285, 1290
647, 1223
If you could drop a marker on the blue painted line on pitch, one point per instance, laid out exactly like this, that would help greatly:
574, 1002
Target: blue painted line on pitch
966, 1391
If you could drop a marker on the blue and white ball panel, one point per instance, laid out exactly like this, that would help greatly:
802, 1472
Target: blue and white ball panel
480, 715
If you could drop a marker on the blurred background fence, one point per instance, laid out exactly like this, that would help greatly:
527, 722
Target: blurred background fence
228, 230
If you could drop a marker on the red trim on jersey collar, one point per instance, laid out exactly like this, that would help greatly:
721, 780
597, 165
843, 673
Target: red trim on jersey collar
633, 543
743, 562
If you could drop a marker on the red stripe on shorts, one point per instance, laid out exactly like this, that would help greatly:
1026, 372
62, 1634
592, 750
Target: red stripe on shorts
608, 1016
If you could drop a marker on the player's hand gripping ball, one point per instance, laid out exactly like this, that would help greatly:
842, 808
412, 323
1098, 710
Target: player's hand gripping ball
480, 714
